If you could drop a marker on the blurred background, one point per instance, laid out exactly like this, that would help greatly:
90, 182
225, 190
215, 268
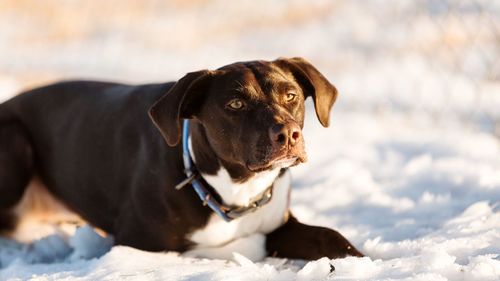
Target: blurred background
415, 133
437, 59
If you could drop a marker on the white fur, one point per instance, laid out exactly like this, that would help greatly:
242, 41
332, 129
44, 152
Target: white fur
252, 247
241, 193
218, 239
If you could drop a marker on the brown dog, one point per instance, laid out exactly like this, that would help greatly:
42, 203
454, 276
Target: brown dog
96, 148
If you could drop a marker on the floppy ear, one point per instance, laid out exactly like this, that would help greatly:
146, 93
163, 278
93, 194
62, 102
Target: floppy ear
178, 103
313, 84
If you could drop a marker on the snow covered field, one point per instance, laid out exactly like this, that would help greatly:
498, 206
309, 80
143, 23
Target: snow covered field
409, 169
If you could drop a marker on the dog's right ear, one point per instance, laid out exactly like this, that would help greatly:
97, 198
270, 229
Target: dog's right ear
178, 103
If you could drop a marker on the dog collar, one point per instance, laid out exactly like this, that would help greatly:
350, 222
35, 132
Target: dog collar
193, 177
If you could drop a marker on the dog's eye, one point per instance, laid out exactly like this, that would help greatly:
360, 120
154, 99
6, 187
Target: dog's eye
236, 104
290, 96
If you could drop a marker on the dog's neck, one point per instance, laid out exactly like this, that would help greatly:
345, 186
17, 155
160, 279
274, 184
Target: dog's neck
234, 183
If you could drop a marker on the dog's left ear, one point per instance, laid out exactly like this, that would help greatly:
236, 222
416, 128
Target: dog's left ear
181, 101
313, 84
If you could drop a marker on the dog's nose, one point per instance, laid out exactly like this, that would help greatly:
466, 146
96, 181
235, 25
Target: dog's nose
285, 134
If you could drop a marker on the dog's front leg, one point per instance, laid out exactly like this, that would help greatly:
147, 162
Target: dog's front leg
299, 241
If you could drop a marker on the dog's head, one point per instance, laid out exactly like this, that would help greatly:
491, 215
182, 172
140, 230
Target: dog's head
252, 112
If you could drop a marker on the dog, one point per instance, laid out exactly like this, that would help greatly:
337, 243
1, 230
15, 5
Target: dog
198, 166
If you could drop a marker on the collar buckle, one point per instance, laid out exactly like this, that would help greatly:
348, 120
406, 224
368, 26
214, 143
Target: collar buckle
186, 181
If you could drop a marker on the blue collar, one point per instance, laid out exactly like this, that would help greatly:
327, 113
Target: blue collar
193, 177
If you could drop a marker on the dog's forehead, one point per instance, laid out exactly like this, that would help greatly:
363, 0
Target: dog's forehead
257, 77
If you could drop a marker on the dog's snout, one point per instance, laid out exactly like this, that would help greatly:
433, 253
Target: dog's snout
285, 134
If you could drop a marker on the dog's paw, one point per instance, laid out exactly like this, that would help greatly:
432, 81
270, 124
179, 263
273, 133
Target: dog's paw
333, 245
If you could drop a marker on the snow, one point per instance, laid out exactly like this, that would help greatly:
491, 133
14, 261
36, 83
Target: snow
408, 170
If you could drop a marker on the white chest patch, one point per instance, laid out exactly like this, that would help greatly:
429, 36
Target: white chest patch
218, 239
240, 193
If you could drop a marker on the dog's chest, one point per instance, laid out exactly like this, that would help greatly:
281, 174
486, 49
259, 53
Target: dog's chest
264, 220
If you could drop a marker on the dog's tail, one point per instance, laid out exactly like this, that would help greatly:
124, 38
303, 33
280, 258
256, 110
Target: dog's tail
8, 223
7, 220
16, 164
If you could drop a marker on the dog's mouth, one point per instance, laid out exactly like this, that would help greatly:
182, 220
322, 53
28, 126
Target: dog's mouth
283, 160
